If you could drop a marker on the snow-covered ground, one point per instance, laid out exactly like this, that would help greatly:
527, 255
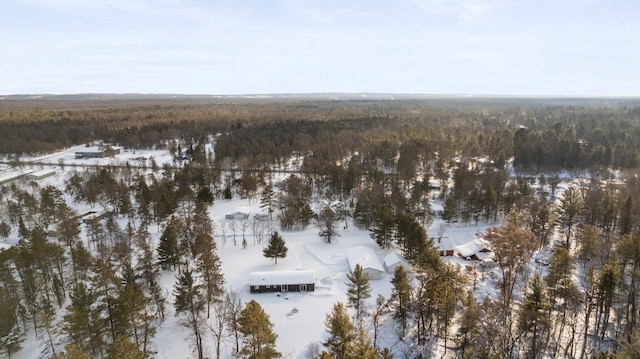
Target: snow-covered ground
307, 250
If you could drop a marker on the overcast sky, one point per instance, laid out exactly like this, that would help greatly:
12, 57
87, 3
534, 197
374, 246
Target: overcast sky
509, 47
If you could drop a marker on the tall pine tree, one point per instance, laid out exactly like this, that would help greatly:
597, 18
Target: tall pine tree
259, 340
358, 289
189, 304
276, 247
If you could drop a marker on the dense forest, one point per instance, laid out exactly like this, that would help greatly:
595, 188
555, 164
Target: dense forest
490, 160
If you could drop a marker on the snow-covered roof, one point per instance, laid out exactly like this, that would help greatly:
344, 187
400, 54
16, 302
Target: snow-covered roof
282, 277
8, 177
364, 256
92, 149
445, 244
392, 259
470, 248
243, 210
41, 173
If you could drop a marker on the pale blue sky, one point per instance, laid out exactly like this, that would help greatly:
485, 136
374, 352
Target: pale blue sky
509, 47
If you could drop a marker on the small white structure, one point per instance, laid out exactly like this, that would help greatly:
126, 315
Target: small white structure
38, 175
367, 259
393, 260
240, 214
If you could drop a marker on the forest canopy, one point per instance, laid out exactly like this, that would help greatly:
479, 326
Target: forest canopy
536, 133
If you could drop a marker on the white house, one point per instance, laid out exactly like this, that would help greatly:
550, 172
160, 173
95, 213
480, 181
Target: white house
393, 260
367, 259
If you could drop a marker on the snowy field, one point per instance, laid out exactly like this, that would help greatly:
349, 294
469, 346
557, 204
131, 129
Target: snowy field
307, 250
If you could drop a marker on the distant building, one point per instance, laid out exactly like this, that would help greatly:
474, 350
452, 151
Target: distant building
282, 281
38, 175
367, 259
97, 152
12, 176
240, 214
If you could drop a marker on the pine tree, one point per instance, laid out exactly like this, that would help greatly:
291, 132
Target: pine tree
569, 211
189, 304
383, 227
401, 296
358, 289
276, 247
468, 326
168, 249
136, 316
268, 199
532, 319
362, 348
342, 334
208, 266
259, 340
123, 348
83, 324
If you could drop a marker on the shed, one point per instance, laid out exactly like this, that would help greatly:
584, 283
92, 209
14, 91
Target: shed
282, 281
445, 246
367, 259
241, 213
393, 260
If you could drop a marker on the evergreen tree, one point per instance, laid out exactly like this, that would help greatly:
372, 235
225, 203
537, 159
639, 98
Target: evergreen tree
362, 348
276, 247
358, 289
208, 266
342, 334
83, 324
189, 304
71, 352
401, 296
469, 327
383, 227
532, 319
268, 199
259, 340
135, 314
568, 212
450, 209
168, 249
123, 348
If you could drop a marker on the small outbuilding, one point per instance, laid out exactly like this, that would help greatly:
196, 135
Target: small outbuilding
240, 214
445, 246
97, 152
38, 175
393, 260
282, 281
367, 259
